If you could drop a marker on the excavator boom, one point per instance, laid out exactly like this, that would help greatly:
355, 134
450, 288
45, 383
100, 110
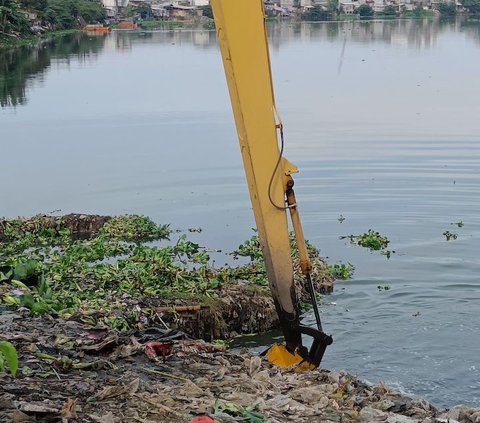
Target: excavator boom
242, 38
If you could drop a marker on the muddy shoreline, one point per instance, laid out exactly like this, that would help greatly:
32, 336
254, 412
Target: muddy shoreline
73, 372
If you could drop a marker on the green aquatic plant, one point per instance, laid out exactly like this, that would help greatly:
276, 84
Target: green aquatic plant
255, 272
387, 253
372, 240
249, 248
450, 235
341, 270
114, 276
134, 228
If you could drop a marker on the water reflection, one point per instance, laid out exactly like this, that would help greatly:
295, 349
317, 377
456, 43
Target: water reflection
20, 68
127, 40
407, 33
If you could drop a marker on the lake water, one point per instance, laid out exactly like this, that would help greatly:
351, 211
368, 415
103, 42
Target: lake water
382, 118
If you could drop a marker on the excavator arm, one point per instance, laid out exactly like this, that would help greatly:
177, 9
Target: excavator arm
241, 34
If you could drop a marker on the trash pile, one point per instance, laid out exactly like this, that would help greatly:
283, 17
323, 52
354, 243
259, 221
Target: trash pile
71, 372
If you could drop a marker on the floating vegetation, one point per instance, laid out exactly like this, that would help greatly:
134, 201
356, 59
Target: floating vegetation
372, 240
134, 228
341, 270
256, 268
459, 224
383, 288
341, 218
450, 235
112, 276
387, 253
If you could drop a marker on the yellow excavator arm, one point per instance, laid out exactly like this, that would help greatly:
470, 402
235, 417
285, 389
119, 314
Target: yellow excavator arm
242, 37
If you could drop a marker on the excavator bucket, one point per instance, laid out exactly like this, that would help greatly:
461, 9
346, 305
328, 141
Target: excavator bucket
278, 355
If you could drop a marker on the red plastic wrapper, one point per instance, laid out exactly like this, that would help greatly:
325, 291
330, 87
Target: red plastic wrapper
155, 349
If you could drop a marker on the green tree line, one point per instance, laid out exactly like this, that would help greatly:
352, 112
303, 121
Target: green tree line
13, 21
56, 14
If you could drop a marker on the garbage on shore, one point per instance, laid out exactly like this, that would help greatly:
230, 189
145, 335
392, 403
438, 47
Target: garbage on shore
72, 372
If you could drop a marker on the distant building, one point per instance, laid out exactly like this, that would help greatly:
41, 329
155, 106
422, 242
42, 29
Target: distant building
273, 9
295, 4
159, 10
181, 12
114, 7
198, 3
378, 6
347, 6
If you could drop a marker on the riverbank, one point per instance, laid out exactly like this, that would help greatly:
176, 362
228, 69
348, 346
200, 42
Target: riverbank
11, 43
106, 312
73, 372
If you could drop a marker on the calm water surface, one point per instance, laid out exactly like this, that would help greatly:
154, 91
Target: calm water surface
382, 119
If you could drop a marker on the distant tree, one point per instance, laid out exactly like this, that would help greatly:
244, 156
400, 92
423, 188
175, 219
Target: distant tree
37, 5
390, 11
91, 11
418, 12
129, 12
64, 14
365, 11
316, 13
472, 6
332, 6
207, 11
144, 10
447, 9
13, 21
